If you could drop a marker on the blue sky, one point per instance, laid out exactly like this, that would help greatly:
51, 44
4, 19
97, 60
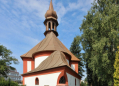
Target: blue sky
21, 23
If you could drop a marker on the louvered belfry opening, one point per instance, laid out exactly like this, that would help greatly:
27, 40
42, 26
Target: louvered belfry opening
62, 80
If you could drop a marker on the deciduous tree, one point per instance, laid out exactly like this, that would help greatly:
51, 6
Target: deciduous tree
99, 40
6, 60
76, 50
116, 67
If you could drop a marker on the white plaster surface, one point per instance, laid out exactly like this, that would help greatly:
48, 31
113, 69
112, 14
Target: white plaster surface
71, 80
48, 79
38, 60
77, 82
28, 66
68, 61
73, 66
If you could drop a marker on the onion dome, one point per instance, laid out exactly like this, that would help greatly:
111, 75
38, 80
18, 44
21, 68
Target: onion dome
51, 12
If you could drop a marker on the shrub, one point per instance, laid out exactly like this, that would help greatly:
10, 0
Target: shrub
4, 82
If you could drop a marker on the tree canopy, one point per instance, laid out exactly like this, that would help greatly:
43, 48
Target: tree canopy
100, 39
116, 71
76, 50
6, 60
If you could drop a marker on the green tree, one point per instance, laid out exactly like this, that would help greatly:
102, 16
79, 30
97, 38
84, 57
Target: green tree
116, 72
6, 60
76, 50
100, 40
85, 80
8, 82
83, 84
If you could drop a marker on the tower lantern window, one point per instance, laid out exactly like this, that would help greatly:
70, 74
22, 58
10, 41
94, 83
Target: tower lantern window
49, 26
53, 26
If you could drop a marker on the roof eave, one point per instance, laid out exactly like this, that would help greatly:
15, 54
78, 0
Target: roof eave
52, 68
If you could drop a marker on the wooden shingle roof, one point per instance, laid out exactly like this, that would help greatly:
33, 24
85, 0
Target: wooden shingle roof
56, 59
49, 43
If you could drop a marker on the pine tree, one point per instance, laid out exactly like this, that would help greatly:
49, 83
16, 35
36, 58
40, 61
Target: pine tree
76, 50
116, 66
100, 39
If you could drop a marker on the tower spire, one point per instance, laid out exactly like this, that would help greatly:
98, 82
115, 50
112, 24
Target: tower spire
51, 22
51, 6
50, 12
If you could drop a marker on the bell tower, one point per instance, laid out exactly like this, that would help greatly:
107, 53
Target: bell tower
51, 22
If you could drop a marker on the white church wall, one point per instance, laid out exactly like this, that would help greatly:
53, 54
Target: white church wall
77, 82
73, 66
68, 61
71, 80
29, 81
38, 60
48, 79
28, 66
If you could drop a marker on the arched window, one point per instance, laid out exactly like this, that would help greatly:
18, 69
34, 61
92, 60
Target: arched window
53, 26
49, 26
62, 80
36, 81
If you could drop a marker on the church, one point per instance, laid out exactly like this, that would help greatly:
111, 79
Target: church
50, 63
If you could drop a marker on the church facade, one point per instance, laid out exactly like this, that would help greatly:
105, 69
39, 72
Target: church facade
50, 63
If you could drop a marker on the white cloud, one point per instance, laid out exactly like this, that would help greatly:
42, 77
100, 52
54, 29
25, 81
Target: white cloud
4, 1
75, 5
37, 7
21, 22
61, 10
22, 15
74, 14
80, 5
30, 40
